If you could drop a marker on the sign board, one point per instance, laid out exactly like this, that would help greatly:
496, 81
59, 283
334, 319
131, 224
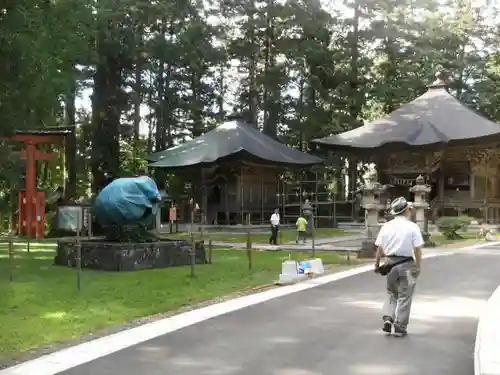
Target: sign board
172, 214
70, 218
402, 181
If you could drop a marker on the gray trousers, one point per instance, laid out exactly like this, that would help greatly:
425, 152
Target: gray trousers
400, 288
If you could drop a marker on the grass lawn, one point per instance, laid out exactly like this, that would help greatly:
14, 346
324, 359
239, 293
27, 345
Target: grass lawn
41, 306
469, 238
288, 235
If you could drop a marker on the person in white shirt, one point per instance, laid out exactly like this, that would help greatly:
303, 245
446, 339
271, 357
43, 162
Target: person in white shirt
399, 242
275, 224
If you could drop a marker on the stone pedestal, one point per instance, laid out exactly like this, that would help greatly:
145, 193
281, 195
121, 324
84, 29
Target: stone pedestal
420, 204
372, 191
129, 256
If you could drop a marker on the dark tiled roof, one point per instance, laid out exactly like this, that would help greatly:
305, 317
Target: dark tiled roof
234, 140
432, 119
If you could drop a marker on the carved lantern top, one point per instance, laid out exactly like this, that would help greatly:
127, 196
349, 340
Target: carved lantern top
420, 186
371, 176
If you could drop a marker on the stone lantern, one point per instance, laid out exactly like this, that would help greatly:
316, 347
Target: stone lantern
420, 204
371, 191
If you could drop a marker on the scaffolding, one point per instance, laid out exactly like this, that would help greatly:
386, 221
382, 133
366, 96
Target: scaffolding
323, 190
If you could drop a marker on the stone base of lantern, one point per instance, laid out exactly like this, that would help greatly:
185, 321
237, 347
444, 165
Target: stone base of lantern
428, 239
368, 249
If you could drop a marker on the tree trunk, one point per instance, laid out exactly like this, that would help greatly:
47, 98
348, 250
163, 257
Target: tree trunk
271, 99
252, 73
354, 102
106, 112
71, 144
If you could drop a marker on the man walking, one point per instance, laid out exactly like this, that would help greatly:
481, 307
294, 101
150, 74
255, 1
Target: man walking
275, 223
400, 243
301, 225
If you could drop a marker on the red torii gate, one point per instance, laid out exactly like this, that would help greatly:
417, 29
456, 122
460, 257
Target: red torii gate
31, 203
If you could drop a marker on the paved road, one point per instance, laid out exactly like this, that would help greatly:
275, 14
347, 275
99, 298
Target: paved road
331, 329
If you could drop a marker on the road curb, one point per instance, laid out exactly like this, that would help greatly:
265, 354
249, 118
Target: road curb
486, 358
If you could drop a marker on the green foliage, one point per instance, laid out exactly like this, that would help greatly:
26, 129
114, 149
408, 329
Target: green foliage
161, 72
450, 225
10, 172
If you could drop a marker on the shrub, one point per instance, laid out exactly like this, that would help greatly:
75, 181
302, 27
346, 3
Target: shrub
450, 225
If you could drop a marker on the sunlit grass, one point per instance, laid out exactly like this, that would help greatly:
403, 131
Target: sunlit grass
467, 239
287, 235
42, 305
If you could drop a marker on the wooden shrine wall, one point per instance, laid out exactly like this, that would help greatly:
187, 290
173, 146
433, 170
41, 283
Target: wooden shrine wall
463, 180
245, 190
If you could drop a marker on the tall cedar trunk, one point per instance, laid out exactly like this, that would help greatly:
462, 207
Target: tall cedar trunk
137, 108
159, 134
270, 89
252, 72
354, 104
71, 146
159, 141
151, 121
311, 100
167, 106
391, 72
300, 111
106, 104
197, 105
461, 64
137, 94
222, 95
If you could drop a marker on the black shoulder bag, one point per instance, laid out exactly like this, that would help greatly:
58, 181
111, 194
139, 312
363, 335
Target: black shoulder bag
391, 262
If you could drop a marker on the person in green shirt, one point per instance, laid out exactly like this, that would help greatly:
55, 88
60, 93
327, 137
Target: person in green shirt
301, 225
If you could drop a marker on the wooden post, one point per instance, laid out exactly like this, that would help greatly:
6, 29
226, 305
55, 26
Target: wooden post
11, 251
486, 191
335, 223
193, 243
78, 249
262, 199
226, 203
209, 251
89, 223
249, 243
158, 221
352, 187
204, 198
30, 188
202, 228
313, 237
242, 192
300, 193
284, 198
316, 206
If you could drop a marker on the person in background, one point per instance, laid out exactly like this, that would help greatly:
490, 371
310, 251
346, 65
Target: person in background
301, 225
275, 224
400, 243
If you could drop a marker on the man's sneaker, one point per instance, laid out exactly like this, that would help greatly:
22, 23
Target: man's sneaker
387, 327
399, 331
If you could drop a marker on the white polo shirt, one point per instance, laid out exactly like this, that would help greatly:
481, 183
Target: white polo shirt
399, 237
275, 219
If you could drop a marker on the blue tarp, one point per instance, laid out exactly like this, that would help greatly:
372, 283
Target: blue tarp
127, 201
